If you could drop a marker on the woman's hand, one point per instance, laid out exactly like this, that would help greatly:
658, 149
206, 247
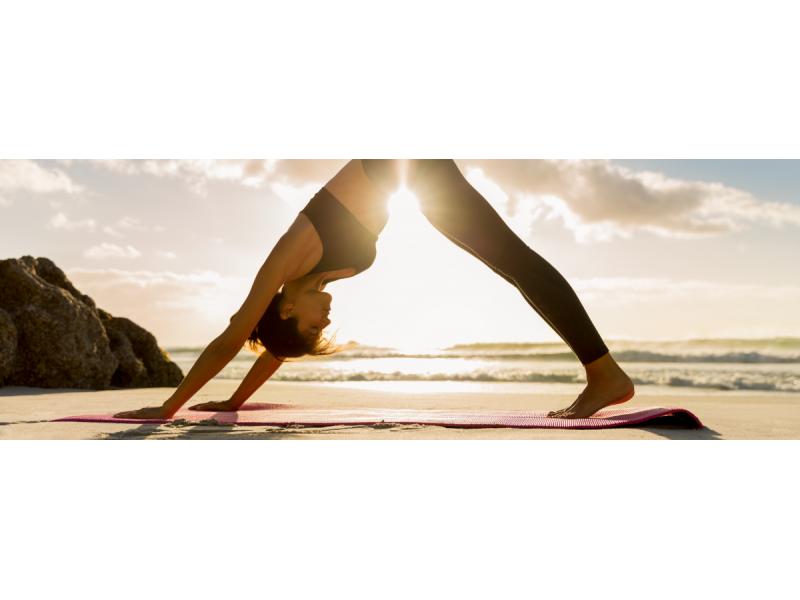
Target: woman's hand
149, 412
221, 406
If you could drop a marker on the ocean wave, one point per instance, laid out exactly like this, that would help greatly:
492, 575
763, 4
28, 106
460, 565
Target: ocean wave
785, 343
619, 356
779, 350
776, 381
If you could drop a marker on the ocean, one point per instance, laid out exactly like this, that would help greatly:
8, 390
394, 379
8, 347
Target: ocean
672, 366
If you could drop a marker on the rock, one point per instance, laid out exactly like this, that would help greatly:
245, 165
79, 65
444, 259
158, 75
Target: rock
8, 345
52, 335
60, 340
47, 270
141, 360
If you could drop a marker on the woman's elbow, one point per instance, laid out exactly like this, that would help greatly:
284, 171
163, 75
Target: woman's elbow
228, 343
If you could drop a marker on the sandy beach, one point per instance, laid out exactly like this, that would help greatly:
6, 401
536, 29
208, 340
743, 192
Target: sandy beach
25, 413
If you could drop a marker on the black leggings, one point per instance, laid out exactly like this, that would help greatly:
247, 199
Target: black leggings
462, 215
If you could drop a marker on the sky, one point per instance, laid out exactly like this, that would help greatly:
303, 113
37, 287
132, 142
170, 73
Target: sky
655, 249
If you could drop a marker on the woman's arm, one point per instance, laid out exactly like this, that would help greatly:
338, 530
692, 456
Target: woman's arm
210, 362
262, 369
216, 355
281, 261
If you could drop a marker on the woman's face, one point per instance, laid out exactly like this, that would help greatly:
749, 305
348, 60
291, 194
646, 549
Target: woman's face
311, 308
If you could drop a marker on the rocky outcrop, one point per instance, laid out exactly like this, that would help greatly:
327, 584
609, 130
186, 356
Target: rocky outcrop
51, 335
141, 362
8, 345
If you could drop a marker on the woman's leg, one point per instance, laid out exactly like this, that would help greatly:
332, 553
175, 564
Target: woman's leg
383, 172
460, 213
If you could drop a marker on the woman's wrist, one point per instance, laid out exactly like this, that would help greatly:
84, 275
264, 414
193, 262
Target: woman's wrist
170, 408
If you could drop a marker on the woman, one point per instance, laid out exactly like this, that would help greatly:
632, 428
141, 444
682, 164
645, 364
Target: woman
333, 237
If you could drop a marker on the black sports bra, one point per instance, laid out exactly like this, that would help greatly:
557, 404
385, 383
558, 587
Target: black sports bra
346, 242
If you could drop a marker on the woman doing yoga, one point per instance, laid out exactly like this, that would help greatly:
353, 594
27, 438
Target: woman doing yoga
334, 236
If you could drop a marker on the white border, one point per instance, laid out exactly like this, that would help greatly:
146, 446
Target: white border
399, 519
567, 79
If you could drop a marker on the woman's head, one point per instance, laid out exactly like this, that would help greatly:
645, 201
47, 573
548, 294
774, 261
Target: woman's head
292, 324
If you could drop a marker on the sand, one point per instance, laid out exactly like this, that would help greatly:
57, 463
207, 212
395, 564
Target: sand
25, 413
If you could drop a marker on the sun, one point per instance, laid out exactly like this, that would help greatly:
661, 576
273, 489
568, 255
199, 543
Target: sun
404, 207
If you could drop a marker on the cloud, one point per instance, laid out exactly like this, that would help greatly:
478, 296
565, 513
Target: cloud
27, 175
655, 307
631, 289
166, 254
131, 224
599, 200
177, 307
196, 173
595, 199
106, 250
168, 283
61, 221
254, 173
295, 196
112, 232
296, 172
128, 223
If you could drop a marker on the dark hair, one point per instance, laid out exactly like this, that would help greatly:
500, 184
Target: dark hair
283, 339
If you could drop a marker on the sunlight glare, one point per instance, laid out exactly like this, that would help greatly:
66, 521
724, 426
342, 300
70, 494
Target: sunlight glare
404, 206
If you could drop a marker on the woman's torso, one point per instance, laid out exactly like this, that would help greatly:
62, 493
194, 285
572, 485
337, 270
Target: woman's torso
365, 200
341, 225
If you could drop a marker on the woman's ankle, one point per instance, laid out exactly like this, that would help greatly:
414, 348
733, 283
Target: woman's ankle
603, 368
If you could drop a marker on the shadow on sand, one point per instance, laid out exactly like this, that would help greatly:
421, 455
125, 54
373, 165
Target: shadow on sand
205, 431
679, 427
666, 427
32, 391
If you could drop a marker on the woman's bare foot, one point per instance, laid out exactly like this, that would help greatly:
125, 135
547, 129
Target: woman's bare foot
607, 384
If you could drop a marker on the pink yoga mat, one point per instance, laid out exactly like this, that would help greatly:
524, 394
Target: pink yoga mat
286, 414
